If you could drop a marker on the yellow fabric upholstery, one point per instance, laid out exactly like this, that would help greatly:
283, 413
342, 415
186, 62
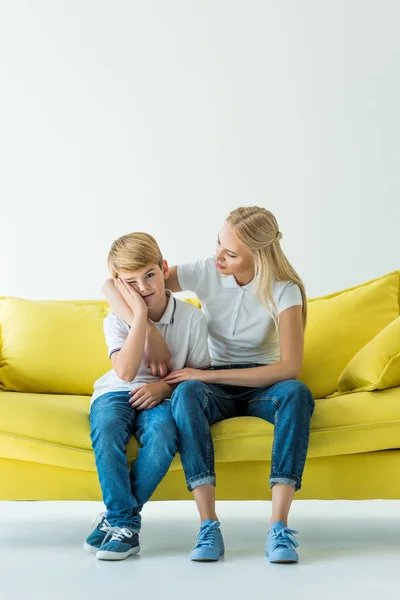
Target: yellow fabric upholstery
51, 353
377, 365
54, 430
51, 347
339, 325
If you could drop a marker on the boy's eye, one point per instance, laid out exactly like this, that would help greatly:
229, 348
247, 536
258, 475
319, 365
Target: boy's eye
149, 275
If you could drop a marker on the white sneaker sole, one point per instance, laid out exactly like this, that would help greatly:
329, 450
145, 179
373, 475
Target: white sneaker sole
107, 555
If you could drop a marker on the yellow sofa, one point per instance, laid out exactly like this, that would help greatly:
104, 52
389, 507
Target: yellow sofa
52, 352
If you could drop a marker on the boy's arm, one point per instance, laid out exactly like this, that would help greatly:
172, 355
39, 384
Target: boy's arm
116, 301
127, 360
156, 351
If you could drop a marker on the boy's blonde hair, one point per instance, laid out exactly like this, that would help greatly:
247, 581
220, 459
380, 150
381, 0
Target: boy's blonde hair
133, 251
258, 230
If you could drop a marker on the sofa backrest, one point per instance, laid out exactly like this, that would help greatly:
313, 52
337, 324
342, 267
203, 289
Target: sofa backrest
58, 347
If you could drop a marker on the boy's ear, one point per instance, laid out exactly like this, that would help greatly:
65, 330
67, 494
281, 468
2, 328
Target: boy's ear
165, 269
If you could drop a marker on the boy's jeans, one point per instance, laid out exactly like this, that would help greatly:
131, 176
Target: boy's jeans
112, 422
288, 405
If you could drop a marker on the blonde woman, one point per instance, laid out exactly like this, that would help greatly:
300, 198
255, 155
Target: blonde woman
255, 306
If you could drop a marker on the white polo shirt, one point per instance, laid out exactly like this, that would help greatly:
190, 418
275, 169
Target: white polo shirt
240, 329
184, 328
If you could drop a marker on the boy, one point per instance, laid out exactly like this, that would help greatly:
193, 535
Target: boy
130, 400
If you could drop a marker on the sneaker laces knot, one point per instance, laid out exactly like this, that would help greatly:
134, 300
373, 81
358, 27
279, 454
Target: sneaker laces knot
207, 535
284, 537
119, 533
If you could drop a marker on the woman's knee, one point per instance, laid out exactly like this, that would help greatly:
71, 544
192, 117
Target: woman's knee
297, 394
185, 395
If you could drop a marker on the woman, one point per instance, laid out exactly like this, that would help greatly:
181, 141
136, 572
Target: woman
255, 305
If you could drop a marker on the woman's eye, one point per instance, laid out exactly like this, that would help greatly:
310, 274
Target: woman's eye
218, 242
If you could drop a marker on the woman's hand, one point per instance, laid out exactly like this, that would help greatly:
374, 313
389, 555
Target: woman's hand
133, 299
156, 353
189, 374
148, 396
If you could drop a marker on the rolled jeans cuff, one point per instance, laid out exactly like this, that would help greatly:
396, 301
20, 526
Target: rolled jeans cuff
289, 480
202, 479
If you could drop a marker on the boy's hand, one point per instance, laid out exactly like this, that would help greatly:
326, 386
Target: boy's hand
185, 374
148, 396
133, 299
156, 353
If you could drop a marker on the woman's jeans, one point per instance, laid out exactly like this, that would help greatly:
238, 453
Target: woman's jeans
288, 405
112, 422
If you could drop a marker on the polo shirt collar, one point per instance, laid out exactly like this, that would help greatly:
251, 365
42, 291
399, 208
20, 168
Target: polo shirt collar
168, 316
229, 281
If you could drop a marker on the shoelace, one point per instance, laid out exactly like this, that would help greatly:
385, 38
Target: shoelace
207, 535
119, 534
108, 529
98, 519
284, 537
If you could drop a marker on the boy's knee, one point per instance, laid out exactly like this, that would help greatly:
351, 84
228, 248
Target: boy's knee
160, 436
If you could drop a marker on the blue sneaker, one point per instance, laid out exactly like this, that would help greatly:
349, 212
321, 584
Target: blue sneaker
281, 544
96, 538
123, 543
210, 544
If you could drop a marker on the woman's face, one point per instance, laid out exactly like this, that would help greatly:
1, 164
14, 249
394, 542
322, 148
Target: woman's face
232, 258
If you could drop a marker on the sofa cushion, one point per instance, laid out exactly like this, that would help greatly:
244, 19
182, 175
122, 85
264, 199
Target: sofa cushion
52, 347
54, 430
340, 324
377, 365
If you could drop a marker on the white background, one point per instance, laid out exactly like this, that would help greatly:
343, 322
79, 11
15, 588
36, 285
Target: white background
162, 116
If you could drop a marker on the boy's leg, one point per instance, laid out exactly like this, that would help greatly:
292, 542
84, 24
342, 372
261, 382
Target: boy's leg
156, 432
289, 406
112, 422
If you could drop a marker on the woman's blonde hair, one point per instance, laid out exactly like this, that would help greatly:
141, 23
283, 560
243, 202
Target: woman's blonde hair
257, 229
133, 251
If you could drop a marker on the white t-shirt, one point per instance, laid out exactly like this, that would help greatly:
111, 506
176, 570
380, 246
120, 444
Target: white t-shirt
240, 329
184, 328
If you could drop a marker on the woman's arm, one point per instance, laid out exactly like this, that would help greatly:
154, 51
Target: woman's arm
291, 337
172, 282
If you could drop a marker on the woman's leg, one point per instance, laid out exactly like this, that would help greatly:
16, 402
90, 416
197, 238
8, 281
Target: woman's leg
196, 406
289, 406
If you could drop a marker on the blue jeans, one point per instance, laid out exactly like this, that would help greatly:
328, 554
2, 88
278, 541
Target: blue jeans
288, 405
112, 422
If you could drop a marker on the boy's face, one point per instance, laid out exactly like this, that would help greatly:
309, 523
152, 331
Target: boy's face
149, 282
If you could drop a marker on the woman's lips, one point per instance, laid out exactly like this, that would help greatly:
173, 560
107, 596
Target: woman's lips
219, 266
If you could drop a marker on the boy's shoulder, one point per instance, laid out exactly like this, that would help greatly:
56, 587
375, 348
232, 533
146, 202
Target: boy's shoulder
187, 311
113, 321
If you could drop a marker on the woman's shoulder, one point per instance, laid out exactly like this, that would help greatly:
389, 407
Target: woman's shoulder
279, 286
286, 294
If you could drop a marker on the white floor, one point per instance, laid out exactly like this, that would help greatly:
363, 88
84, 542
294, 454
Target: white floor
347, 549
